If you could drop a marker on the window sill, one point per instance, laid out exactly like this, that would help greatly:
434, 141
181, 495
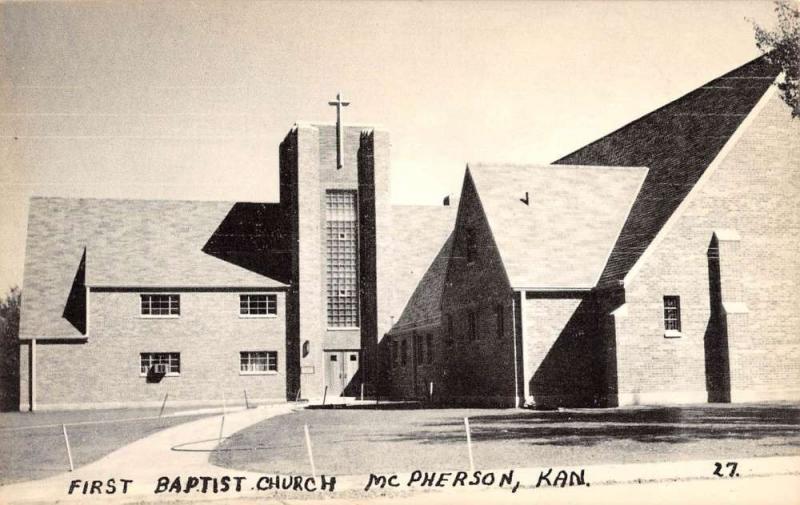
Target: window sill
672, 334
165, 375
344, 328
258, 373
144, 316
258, 316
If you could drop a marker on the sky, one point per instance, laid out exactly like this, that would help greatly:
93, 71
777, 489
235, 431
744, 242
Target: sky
189, 100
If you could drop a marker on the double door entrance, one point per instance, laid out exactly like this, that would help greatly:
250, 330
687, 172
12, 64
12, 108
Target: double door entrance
340, 370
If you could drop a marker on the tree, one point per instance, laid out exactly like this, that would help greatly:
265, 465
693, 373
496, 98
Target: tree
9, 349
782, 47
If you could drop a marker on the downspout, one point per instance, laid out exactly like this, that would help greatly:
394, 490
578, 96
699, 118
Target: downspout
33, 375
514, 346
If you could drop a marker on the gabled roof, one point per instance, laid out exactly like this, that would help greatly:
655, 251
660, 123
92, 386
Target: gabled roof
677, 142
560, 238
127, 243
420, 252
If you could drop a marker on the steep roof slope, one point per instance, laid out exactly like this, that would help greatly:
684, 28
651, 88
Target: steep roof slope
420, 250
560, 237
677, 142
73, 243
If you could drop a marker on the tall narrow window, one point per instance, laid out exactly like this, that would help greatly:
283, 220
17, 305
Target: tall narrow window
472, 246
418, 355
473, 326
500, 322
450, 331
672, 313
403, 352
341, 268
395, 355
429, 348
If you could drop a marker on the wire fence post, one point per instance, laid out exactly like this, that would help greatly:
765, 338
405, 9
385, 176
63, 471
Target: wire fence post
69, 452
297, 396
324, 395
246, 403
430, 391
224, 405
221, 428
310, 454
163, 404
362, 391
469, 445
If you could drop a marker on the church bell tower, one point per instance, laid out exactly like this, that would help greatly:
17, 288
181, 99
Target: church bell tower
334, 184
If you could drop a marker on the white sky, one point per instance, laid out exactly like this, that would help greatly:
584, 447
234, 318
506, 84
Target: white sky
190, 100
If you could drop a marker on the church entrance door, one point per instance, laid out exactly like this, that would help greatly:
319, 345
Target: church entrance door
340, 370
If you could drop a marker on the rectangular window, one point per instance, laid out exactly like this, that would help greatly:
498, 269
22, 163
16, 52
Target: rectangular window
500, 322
163, 363
403, 352
258, 305
341, 267
161, 305
450, 331
672, 313
473, 326
472, 245
429, 348
395, 356
258, 361
418, 357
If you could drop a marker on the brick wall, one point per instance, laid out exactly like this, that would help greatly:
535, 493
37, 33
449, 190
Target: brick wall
482, 369
753, 191
209, 334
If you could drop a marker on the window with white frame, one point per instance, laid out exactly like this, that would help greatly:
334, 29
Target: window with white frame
672, 313
258, 361
159, 305
258, 304
164, 363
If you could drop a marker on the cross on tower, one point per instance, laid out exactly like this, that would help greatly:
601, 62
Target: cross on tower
339, 139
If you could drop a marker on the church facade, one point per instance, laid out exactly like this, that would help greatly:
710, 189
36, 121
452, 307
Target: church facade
655, 265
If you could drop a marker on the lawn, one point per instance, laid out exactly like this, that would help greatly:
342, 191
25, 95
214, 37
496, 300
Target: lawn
351, 440
32, 444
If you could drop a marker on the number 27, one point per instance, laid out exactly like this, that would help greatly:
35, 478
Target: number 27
730, 464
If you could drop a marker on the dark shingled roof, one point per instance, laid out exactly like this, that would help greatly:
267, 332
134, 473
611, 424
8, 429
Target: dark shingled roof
677, 142
73, 243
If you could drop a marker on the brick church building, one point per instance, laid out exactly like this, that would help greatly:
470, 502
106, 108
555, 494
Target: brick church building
656, 265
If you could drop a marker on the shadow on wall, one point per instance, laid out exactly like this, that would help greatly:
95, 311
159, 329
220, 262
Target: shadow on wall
718, 379
574, 372
75, 308
256, 237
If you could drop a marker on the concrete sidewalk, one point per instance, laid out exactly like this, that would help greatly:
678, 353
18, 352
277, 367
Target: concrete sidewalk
145, 460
